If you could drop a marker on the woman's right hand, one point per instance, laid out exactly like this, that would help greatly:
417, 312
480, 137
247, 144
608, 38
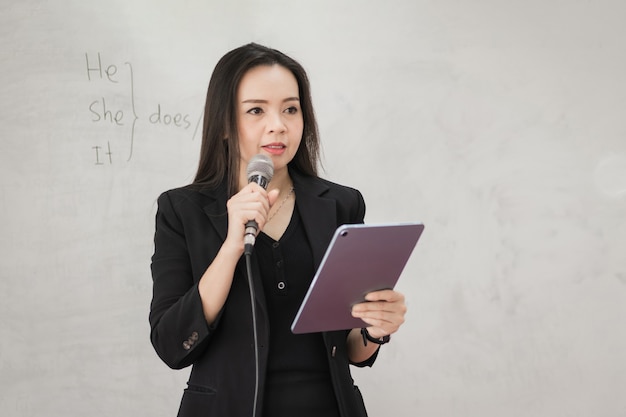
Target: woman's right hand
252, 202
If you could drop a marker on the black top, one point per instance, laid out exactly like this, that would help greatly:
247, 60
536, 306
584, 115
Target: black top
298, 378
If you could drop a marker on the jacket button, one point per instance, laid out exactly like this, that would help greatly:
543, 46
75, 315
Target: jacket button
186, 345
194, 336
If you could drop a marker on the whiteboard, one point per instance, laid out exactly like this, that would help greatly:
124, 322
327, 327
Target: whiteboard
499, 125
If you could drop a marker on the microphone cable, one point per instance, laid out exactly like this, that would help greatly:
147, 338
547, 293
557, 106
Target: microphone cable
248, 255
260, 170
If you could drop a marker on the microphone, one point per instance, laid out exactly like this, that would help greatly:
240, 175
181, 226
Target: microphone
260, 170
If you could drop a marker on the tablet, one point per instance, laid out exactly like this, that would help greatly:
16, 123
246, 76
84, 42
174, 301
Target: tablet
360, 259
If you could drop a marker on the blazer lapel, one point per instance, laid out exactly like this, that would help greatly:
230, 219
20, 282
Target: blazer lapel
215, 209
318, 214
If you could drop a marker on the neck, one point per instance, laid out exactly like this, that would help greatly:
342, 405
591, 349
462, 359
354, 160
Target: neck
281, 181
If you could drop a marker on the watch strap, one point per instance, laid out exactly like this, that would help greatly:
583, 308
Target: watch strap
367, 336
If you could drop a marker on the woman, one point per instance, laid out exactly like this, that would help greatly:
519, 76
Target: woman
258, 102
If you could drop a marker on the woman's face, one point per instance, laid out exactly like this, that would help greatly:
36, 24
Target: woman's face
269, 117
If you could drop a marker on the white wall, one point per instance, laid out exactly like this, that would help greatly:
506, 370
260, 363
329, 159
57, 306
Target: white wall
499, 124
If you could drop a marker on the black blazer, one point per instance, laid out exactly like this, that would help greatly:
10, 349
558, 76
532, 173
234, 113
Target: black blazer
191, 225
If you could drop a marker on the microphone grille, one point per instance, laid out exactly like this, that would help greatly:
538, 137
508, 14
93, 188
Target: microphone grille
261, 165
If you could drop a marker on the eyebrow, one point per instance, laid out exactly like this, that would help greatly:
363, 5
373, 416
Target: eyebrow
254, 100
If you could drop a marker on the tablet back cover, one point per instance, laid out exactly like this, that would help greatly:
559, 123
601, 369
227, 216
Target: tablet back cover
360, 259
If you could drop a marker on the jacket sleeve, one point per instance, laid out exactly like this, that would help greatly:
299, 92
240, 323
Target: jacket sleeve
359, 212
352, 210
178, 329
360, 207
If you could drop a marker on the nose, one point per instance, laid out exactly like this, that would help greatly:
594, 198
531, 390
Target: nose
275, 123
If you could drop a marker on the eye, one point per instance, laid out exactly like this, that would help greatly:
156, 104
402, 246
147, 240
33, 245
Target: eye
255, 110
291, 110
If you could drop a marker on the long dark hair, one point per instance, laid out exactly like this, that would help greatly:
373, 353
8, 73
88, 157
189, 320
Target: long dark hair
219, 154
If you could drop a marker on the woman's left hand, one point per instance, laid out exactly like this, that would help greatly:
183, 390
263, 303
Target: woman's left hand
383, 310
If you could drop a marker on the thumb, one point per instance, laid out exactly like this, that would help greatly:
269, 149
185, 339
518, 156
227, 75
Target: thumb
273, 195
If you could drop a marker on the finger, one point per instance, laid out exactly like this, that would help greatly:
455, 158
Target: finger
384, 295
272, 196
373, 306
385, 315
389, 306
242, 209
253, 190
253, 186
248, 196
375, 315
392, 316
384, 327
381, 328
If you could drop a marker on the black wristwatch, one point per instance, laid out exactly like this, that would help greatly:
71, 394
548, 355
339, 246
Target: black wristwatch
366, 336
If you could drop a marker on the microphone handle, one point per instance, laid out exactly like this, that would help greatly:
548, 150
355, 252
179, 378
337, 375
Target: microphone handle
249, 236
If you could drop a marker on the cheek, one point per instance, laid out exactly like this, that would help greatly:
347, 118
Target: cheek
247, 133
298, 126
247, 141
297, 131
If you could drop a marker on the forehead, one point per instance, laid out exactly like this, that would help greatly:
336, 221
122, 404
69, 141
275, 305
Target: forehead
267, 81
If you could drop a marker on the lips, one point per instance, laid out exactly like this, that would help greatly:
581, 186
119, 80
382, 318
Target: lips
275, 148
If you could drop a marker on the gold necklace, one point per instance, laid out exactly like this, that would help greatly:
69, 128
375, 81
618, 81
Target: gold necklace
281, 204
